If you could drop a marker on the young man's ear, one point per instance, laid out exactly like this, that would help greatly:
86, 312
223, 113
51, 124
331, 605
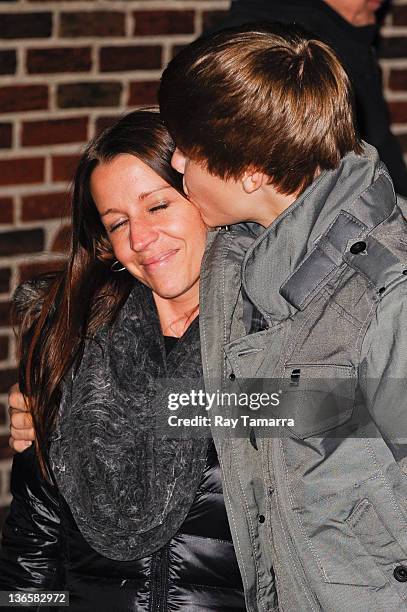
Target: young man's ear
253, 180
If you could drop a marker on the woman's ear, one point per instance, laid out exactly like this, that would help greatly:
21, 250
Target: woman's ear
253, 180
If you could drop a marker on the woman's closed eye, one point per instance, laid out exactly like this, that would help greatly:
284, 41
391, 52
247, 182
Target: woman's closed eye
152, 209
157, 207
116, 226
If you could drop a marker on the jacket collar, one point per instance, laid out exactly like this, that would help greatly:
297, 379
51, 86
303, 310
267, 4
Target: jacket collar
314, 232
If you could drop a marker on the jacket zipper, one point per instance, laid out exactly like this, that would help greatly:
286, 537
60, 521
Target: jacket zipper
159, 580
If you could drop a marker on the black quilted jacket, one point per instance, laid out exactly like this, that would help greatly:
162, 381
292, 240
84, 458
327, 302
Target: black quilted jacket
43, 549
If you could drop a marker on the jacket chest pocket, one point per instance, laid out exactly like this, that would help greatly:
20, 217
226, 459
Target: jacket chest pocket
317, 397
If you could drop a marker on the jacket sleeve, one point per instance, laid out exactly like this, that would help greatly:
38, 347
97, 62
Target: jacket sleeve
30, 548
383, 370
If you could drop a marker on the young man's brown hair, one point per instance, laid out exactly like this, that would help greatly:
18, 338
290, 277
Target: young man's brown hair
268, 98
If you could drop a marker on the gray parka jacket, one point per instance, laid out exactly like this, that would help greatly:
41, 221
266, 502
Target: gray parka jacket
318, 516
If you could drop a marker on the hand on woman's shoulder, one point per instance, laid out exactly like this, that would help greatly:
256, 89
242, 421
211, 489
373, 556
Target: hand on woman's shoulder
30, 294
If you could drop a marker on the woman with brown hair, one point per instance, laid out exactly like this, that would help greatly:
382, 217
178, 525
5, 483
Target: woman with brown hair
105, 507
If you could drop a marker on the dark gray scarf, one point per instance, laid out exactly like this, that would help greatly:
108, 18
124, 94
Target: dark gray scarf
128, 487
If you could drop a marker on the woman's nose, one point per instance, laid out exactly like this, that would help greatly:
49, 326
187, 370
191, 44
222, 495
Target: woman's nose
142, 235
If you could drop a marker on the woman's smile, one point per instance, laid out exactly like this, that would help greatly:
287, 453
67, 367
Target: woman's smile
159, 260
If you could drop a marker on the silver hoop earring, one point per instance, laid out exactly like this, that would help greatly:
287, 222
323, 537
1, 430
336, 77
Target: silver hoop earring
114, 268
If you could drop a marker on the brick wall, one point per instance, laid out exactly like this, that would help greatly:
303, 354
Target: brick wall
393, 53
67, 69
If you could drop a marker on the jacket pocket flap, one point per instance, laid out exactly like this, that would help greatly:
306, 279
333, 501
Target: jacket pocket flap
383, 549
318, 397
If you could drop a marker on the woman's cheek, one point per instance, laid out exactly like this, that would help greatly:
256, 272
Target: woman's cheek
118, 248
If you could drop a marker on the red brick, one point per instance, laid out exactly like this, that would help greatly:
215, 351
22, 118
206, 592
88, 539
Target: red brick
102, 123
149, 23
54, 131
398, 80
92, 23
29, 270
21, 171
5, 318
45, 206
118, 59
80, 95
393, 47
211, 19
398, 112
64, 167
19, 242
399, 15
62, 240
8, 62
144, 92
26, 25
6, 210
4, 347
5, 277
6, 135
16, 98
402, 138
5, 450
62, 59
3, 414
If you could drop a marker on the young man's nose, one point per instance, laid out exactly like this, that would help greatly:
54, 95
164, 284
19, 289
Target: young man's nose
178, 161
142, 235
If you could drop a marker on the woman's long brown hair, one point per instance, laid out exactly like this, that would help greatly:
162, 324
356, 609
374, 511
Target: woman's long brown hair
86, 294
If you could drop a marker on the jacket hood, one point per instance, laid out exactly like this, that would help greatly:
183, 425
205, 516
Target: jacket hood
360, 187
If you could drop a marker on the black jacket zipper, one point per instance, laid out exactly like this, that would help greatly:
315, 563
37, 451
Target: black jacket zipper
159, 580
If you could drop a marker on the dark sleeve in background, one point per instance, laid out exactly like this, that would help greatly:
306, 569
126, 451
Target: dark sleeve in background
355, 47
373, 115
30, 554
